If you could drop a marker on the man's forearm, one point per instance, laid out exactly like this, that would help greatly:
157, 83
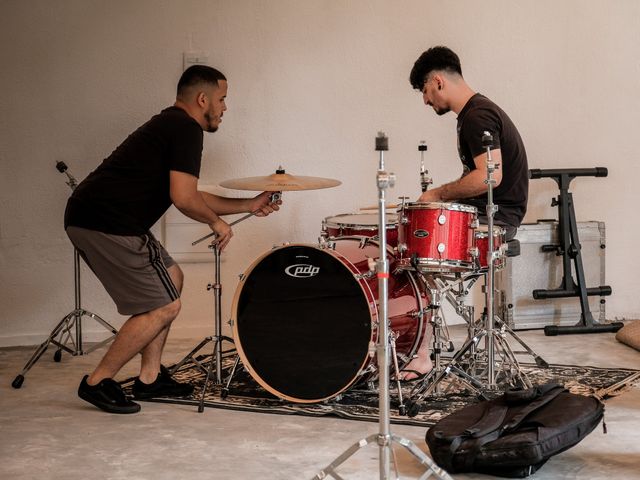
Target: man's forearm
225, 206
468, 186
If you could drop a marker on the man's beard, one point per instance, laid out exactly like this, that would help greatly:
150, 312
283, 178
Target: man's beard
210, 128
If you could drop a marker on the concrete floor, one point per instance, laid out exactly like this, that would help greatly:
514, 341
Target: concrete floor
47, 432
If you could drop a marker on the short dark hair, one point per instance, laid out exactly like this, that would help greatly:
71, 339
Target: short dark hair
436, 58
198, 74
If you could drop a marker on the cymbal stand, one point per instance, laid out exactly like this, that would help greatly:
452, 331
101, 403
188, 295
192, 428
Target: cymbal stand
217, 338
384, 438
72, 322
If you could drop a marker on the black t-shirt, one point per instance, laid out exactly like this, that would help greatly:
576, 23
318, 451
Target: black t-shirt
479, 115
129, 191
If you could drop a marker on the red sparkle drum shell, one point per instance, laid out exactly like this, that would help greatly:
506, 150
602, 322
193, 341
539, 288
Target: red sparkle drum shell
360, 224
305, 318
481, 242
437, 236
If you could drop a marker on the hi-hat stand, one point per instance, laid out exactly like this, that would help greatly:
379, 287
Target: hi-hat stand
384, 438
569, 247
69, 329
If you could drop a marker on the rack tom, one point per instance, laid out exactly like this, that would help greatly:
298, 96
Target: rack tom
436, 236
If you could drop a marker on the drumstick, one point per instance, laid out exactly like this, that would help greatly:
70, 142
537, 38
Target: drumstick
274, 198
375, 207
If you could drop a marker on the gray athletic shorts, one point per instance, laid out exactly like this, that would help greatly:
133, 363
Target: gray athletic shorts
133, 269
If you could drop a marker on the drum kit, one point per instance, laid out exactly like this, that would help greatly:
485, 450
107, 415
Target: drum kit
305, 317
310, 321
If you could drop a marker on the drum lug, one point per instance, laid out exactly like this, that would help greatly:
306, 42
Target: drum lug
372, 264
361, 276
404, 220
327, 244
474, 223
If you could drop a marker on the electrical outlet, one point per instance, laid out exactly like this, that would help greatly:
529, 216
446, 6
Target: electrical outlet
194, 58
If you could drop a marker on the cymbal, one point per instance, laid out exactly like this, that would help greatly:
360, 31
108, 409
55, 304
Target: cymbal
280, 182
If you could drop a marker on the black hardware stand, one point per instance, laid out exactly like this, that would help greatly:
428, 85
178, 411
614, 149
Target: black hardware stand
569, 248
69, 330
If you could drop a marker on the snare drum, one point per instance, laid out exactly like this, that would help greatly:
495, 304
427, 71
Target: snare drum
362, 224
436, 237
481, 238
305, 318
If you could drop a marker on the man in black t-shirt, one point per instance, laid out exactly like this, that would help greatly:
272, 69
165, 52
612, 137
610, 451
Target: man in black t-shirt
108, 218
438, 75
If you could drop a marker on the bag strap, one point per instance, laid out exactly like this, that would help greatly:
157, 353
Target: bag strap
546, 395
486, 427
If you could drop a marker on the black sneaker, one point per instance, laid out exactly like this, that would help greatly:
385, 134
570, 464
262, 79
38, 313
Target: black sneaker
163, 386
107, 395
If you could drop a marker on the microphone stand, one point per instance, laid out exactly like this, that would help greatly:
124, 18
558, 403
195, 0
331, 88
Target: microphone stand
384, 438
72, 319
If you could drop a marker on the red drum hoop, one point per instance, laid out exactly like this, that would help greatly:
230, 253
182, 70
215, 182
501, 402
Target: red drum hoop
360, 224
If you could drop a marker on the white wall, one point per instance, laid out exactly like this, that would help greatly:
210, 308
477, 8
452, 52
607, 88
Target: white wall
310, 85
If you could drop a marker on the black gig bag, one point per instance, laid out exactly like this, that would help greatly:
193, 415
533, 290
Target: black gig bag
515, 434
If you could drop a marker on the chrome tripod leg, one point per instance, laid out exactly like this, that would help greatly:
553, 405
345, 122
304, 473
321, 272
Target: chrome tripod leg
62, 334
18, 381
225, 390
191, 357
432, 467
538, 359
217, 345
426, 387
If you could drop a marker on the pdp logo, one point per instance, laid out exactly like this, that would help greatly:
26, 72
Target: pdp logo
301, 270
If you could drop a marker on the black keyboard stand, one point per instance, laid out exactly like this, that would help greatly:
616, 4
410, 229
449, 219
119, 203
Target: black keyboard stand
569, 247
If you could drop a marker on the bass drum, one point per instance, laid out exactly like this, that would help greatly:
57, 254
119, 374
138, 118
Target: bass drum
305, 318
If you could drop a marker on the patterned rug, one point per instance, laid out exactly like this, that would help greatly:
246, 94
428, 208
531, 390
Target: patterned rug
362, 403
